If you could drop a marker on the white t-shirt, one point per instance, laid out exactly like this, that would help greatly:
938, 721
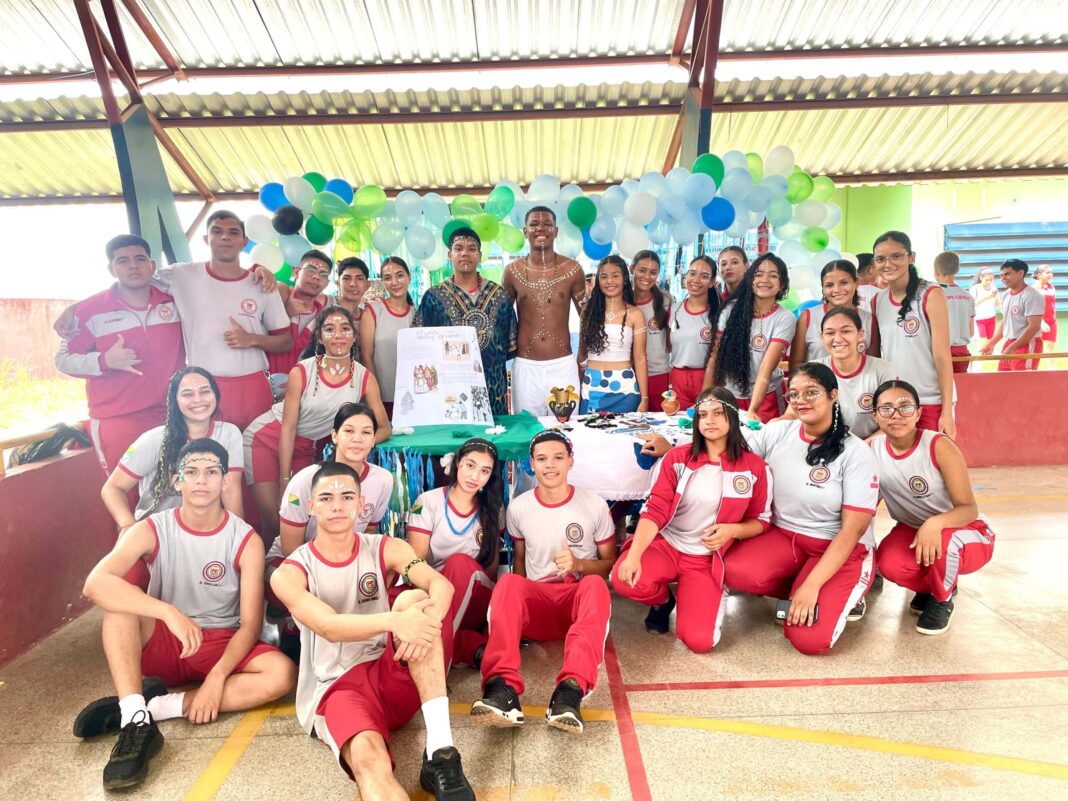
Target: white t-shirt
696, 511
809, 499
583, 521
775, 325
1017, 307
691, 336
911, 483
907, 343
141, 462
961, 306
450, 532
985, 308
867, 292
206, 302
856, 392
656, 339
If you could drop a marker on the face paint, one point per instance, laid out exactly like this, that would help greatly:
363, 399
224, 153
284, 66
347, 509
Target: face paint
337, 486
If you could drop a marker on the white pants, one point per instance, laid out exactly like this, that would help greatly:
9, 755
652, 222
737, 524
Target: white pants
533, 381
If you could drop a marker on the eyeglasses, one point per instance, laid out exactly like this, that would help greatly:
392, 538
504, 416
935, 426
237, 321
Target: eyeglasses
887, 412
808, 397
897, 258
324, 274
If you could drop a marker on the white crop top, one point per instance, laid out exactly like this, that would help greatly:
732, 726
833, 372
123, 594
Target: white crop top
619, 345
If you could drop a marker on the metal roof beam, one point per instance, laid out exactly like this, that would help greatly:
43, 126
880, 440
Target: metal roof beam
90, 30
714, 24
154, 39
685, 21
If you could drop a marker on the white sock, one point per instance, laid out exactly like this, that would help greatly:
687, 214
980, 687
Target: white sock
166, 706
130, 705
438, 728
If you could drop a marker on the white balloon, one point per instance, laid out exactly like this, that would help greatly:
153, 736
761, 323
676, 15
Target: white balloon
293, 247
654, 183
259, 228
791, 230
612, 201
755, 218
603, 230
267, 255
792, 252
408, 207
780, 161
734, 160
803, 279
834, 243
640, 208
569, 193
738, 228
544, 189
631, 238
834, 215
676, 179
300, 193
420, 242
437, 259
810, 212
671, 208
630, 186
387, 237
694, 216
436, 210
826, 255
851, 258
685, 231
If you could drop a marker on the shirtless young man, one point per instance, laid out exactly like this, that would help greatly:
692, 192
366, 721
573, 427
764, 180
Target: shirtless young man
542, 284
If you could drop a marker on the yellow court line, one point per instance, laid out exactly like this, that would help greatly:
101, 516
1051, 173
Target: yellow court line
228, 755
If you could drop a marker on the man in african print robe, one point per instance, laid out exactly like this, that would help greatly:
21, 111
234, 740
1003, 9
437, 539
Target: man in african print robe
469, 299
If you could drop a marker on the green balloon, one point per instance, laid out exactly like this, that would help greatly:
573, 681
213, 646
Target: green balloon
329, 208
355, 235
452, 226
822, 188
711, 165
466, 207
756, 166
318, 232
510, 238
582, 212
285, 274
317, 180
798, 187
791, 301
814, 239
500, 202
369, 202
486, 226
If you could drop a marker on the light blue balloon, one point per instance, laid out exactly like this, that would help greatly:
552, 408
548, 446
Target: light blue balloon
293, 247
698, 190
630, 186
776, 184
758, 198
676, 179
603, 230
436, 210
685, 231
736, 184
671, 208
659, 232
519, 212
780, 211
734, 160
420, 242
654, 183
409, 206
739, 229
612, 202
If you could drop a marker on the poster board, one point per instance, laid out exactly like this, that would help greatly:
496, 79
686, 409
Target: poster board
440, 378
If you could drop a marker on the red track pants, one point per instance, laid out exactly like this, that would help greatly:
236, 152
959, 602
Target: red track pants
701, 594
964, 550
777, 562
576, 612
470, 603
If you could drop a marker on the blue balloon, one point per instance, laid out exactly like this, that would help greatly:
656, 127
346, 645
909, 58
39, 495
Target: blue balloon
592, 249
273, 196
341, 188
808, 304
248, 248
718, 214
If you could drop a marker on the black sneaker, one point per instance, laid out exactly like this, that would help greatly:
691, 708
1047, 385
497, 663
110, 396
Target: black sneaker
920, 599
103, 716
139, 741
476, 657
443, 776
936, 616
876, 583
498, 706
658, 621
563, 712
857, 612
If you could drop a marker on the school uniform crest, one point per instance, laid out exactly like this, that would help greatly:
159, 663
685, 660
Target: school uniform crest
249, 306
911, 325
214, 572
706, 334
919, 485
819, 474
368, 585
759, 342
742, 484
866, 401
165, 313
573, 533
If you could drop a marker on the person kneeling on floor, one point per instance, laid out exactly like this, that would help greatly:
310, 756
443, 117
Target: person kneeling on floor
366, 664
199, 620
564, 549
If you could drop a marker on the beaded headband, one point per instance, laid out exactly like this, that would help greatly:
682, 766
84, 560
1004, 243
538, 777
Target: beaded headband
551, 435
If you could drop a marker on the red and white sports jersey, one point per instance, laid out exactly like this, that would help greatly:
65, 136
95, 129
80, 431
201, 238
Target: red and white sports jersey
856, 392
775, 325
867, 292
319, 401
656, 339
376, 487
198, 572
300, 326
353, 587
141, 462
1049, 295
1017, 307
450, 532
691, 336
812, 319
582, 521
906, 344
809, 499
911, 483
961, 307
387, 324
207, 302
154, 333
985, 308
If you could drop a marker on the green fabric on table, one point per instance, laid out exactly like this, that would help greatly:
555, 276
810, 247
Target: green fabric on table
512, 445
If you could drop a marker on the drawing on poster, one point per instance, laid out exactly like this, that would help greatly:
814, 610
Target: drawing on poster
440, 378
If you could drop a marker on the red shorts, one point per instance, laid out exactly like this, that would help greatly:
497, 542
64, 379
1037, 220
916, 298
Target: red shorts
1019, 365
769, 407
261, 453
687, 383
658, 385
112, 436
930, 414
1051, 335
985, 328
160, 656
243, 398
960, 350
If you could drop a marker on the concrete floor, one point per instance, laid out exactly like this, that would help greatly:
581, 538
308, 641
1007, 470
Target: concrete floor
980, 712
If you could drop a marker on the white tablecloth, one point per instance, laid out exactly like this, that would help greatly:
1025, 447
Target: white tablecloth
605, 461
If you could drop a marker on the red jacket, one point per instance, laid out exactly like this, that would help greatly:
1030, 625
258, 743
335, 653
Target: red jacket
746, 487
99, 321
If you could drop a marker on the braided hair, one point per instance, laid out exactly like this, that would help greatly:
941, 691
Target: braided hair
489, 500
827, 448
660, 312
175, 434
592, 334
915, 283
316, 348
733, 347
712, 296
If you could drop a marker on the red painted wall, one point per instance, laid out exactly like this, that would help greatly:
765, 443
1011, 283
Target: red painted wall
992, 408
54, 528
27, 338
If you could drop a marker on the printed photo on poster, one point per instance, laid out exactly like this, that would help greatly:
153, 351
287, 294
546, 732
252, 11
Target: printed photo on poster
440, 378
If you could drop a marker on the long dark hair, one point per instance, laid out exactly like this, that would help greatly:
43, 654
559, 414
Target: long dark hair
592, 334
841, 265
344, 412
404, 266
741, 252
712, 314
732, 349
490, 500
829, 447
736, 443
915, 283
175, 434
660, 312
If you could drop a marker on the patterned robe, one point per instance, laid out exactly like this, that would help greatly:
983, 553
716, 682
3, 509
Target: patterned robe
491, 314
